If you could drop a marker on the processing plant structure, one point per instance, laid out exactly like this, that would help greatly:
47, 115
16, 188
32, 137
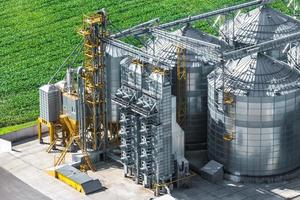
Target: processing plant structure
235, 96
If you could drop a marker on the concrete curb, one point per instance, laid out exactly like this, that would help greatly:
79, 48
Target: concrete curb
5, 146
22, 134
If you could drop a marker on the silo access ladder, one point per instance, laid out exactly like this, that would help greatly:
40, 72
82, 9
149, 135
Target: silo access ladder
229, 102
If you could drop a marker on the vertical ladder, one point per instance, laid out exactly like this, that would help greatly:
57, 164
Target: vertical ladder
229, 101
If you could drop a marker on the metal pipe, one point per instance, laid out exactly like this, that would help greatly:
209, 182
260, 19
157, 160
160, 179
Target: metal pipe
265, 46
138, 29
65, 61
192, 41
82, 112
135, 52
144, 27
213, 13
69, 80
211, 51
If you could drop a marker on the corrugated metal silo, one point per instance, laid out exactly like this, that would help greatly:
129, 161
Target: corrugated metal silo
254, 123
197, 68
196, 91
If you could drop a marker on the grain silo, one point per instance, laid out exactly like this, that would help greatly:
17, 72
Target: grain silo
194, 91
254, 107
257, 26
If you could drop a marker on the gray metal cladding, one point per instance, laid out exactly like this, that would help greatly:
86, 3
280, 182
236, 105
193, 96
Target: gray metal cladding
196, 96
70, 106
196, 89
113, 83
264, 125
49, 102
198, 67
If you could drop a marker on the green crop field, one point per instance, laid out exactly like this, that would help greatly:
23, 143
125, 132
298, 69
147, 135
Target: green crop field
37, 35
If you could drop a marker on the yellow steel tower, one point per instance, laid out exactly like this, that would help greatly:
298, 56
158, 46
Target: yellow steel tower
94, 29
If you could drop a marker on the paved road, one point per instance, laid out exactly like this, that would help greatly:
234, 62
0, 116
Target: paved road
12, 188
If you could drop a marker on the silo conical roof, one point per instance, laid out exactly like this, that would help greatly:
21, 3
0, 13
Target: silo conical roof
168, 50
200, 35
258, 75
259, 25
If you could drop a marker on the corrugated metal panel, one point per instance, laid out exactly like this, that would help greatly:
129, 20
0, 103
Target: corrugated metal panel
71, 106
49, 102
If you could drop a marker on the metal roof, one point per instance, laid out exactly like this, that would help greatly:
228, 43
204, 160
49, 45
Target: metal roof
168, 50
199, 35
257, 75
259, 25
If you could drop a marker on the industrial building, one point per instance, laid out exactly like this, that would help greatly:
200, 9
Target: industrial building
234, 97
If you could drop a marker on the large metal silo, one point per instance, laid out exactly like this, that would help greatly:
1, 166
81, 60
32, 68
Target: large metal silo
195, 126
254, 116
194, 91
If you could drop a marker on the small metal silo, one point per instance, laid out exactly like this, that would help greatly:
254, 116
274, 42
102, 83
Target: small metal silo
49, 102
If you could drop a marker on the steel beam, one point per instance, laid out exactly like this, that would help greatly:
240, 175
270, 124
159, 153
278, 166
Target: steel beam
137, 53
144, 27
209, 50
138, 29
262, 47
213, 13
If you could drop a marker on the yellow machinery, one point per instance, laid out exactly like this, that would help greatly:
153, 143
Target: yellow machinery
94, 27
51, 128
228, 98
94, 124
229, 101
78, 180
228, 137
69, 129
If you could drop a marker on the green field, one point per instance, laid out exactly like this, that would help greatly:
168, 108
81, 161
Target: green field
37, 35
